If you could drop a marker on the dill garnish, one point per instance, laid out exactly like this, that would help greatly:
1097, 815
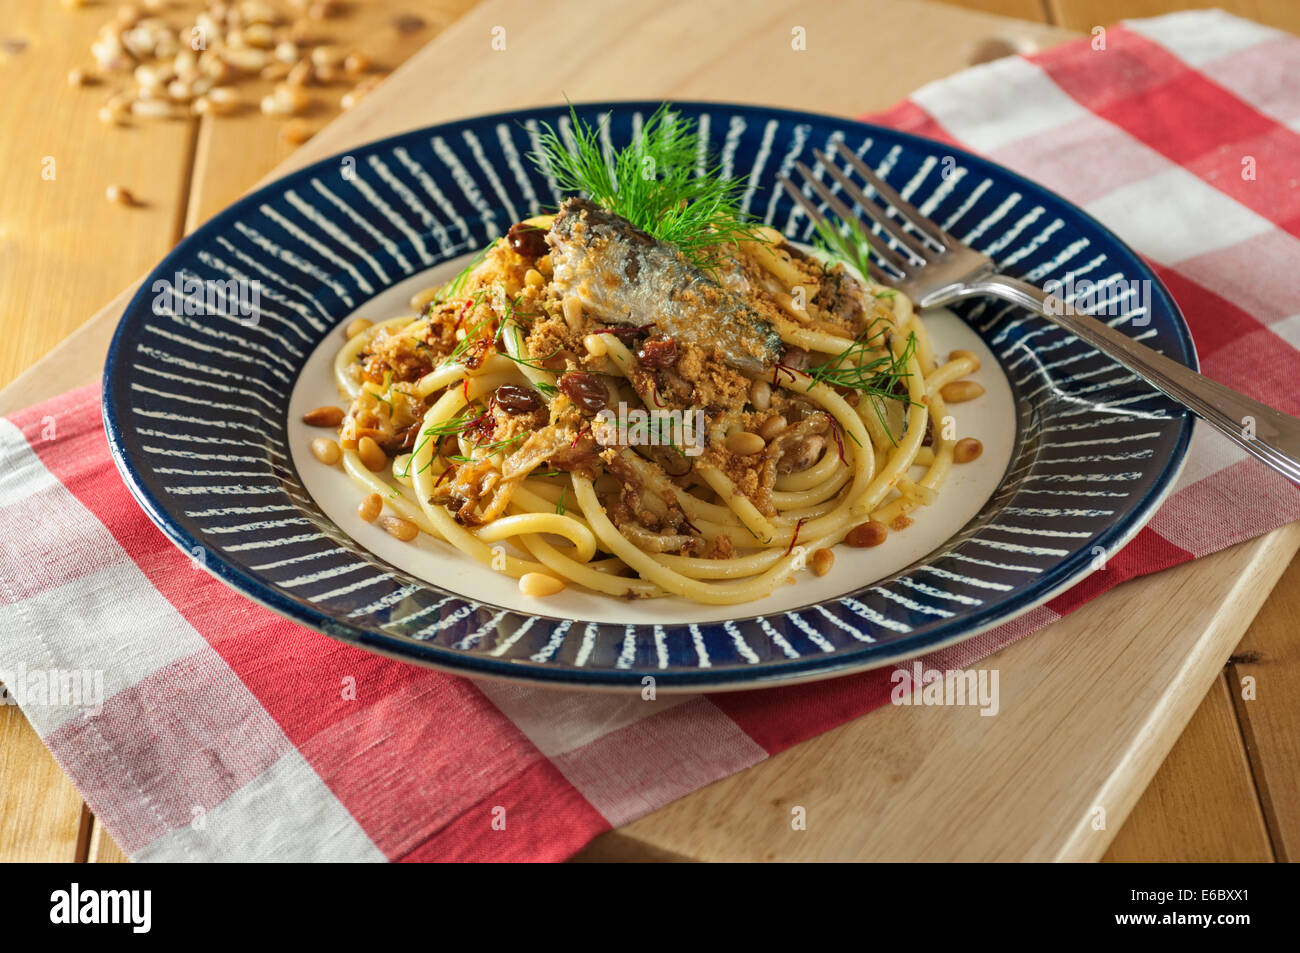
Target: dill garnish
853, 248
652, 182
452, 289
878, 378
560, 507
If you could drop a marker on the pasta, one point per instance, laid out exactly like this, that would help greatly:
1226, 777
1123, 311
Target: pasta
591, 403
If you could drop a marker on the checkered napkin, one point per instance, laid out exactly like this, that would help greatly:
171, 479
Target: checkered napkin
228, 733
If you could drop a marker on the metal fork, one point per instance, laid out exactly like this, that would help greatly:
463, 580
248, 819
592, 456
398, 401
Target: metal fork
933, 268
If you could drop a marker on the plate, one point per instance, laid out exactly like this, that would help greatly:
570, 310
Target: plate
225, 346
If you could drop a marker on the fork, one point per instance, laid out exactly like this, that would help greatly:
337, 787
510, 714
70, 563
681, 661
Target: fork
932, 268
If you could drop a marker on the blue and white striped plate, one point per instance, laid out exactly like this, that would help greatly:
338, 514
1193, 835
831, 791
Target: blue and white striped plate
198, 390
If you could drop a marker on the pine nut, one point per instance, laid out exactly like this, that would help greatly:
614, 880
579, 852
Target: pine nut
219, 101
533, 278
296, 132
286, 51
328, 55
422, 299
119, 196
112, 114
369, 507
745, 444
260, 36
150, 76
356, 64
970, 355
966, 450
822, 561
323, 9
402, 529
371, 454
402, 469
760, 395
275, 71
539, 584
572, 311
323, 417
772, 426
356, 326
153, 108
595, 345
248, 60
871, 533
325, 450
960, 391
300, 74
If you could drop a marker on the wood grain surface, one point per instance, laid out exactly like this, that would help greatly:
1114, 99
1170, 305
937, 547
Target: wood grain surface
1093, 703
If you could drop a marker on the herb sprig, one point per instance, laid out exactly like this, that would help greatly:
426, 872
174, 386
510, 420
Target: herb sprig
877, 378
853, 247
654, 182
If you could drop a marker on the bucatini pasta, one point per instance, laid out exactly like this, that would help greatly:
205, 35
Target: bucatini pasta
641, 409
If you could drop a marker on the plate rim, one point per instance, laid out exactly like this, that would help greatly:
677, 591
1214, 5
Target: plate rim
732, 677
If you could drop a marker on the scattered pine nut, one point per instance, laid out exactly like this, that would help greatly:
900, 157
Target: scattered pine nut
871, 533
325, 450
402, 469
119, 195
299, 74
595, 345
744, 444
422, 299
539, 584
760, 395
328, 55
372, 455
959, 391
295, 132
399, 528
822, 561
772, 426
966, 450
369, 507
356, 326
323, 417
970, 355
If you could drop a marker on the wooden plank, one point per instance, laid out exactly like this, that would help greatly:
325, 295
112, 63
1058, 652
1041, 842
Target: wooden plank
42, 812
617, 57
236, 151
1035, 11
66, 248
102, 848
1090, 706
1269, 655
1201, 805
609, 62
1083, 15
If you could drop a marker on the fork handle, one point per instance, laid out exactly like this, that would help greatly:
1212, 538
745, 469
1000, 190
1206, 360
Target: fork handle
1260, 430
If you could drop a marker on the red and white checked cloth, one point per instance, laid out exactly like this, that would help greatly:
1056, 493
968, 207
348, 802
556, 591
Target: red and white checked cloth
225, 734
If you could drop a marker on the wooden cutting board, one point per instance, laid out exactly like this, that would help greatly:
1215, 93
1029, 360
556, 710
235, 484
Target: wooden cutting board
1090, 706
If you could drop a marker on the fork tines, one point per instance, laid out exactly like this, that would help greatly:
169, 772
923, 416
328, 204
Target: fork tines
923, 244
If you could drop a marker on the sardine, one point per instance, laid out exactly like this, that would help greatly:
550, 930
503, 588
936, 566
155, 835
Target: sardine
623, 276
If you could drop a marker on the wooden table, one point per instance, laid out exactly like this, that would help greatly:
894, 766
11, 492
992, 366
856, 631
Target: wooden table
1226, 790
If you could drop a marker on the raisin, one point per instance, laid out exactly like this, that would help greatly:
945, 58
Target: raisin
585, 390
528, 241
658, 353
517, 400
796, 357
